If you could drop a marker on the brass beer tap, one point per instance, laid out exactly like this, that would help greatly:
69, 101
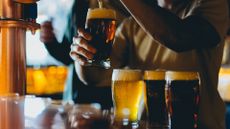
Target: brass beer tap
16, 17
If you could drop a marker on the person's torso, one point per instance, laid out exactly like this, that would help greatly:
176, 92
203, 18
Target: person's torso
147, 53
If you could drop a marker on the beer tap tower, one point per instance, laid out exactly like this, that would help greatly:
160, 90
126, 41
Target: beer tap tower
16, 17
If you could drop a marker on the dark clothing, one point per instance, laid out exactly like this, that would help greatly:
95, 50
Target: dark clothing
90, 94
60, 51
228, 116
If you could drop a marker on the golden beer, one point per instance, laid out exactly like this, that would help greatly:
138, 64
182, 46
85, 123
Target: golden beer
128, 94
11, 111
100, 23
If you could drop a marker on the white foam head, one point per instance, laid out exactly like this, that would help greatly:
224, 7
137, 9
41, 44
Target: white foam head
101, 13
180, 75
126, 75
154, 75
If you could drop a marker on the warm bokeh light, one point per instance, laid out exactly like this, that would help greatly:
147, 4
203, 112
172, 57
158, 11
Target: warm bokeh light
224, 84
47, 80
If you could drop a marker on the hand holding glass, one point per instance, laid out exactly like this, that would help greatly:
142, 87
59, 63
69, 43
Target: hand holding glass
100, 23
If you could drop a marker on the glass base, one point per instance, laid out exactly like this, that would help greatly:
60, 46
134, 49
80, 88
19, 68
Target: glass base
103, 63
125, 123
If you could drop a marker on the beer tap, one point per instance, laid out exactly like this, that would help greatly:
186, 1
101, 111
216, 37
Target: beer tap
16, 17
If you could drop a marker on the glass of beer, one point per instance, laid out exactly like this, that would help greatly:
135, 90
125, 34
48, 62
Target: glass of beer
128, 96
101, 24
11, 111
156, 99
87, 116
183, 93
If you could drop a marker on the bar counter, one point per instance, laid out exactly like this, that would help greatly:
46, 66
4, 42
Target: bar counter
44, 113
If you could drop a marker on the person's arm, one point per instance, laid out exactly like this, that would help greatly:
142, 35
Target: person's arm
192, 32
59, 51
93, 75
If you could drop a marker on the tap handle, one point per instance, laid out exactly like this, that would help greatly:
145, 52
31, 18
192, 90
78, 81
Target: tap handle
30, 12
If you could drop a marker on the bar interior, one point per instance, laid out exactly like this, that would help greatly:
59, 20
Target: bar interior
40, 87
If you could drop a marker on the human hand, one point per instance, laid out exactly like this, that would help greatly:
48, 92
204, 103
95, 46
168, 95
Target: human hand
81, 50
46, 32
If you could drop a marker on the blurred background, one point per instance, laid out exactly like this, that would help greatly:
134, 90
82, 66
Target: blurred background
46, 76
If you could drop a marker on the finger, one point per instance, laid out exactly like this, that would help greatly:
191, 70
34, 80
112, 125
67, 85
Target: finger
46, 24
84, 34
77, 58
81, 51
46, 30
83, 43
47, 33
47, 37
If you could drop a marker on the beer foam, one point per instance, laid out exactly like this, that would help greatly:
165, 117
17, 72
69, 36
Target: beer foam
180, 75
126, 75
154, 75
98, 13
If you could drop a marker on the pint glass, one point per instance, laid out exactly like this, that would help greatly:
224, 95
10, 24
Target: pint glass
183, 91
156, 101
128, 95
87, 116
100, 23
11, 111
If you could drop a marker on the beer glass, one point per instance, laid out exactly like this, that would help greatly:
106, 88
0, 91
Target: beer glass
100, 23
11, 111
128, 95
183, 91
156, 101
87, 116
